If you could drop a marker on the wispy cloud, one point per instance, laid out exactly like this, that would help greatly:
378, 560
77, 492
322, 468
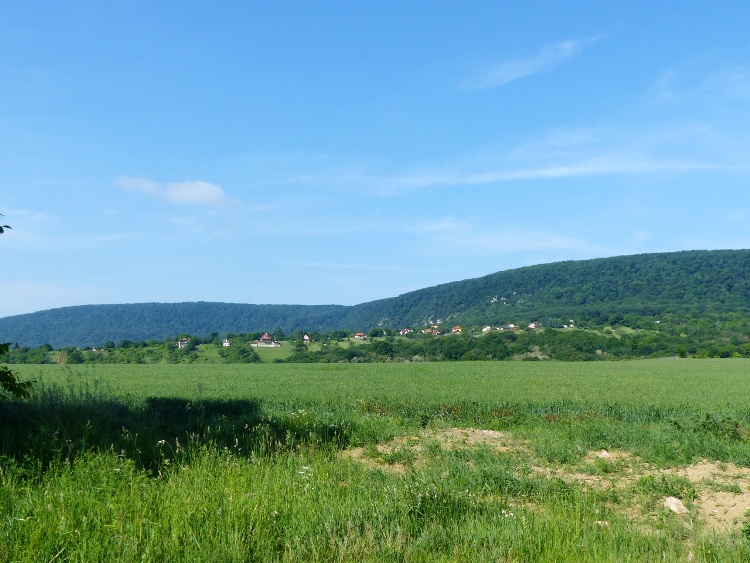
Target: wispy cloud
506, 169
507, 71
593, 166
356, 266
469, 238
663, 90
726, 87
609, 149
194, 192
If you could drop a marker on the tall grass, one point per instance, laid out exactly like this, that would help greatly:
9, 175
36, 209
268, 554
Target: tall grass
169, 465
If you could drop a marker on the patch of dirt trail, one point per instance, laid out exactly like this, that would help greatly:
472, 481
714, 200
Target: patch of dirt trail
722, 489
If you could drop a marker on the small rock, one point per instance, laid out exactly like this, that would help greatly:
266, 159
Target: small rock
604, 454
675, 505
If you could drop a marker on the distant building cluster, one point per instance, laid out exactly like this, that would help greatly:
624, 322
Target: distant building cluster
267, 341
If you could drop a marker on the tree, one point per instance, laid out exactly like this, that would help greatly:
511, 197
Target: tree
9, 381
239, 353
9, 384
296, 336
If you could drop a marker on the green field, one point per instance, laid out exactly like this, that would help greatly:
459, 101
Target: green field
711, 384
414, 462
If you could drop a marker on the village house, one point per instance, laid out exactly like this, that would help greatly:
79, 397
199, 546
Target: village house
226, 343
360, 335
456, 330
265, 340
305, 339
404, 331
182, 342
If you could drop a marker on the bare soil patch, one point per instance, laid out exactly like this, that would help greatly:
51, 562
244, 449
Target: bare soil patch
453, 438
724, 495
404, 451
722, 490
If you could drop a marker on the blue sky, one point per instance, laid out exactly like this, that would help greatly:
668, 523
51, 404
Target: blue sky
320, 152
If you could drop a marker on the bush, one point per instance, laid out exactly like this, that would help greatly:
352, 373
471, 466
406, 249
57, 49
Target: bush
9, 384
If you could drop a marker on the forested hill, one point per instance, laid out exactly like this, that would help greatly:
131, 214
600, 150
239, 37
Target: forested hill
86, 325
596, 292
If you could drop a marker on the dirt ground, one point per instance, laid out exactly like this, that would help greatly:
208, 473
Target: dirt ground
722, 491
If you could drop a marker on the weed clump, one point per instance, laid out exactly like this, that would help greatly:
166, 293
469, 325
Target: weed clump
745, 530
716, 424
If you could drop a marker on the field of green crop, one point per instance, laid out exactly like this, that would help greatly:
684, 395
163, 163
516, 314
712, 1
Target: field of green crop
713, 384
486, 461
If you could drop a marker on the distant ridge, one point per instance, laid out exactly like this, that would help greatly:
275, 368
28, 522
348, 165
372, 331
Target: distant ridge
598, 291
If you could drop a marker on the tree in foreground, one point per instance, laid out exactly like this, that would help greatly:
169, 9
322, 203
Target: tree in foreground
9, 384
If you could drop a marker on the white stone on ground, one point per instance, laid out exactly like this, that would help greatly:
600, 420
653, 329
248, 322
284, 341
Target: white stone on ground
675, 505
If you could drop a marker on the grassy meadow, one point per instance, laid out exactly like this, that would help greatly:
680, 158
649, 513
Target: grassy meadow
454, 461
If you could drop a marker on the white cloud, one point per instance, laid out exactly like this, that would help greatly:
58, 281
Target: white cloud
200, 193
508, 71
192, 192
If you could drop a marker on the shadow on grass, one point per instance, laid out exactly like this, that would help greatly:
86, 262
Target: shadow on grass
60, 423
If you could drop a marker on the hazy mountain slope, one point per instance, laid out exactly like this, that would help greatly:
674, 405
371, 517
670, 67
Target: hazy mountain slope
597, 291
